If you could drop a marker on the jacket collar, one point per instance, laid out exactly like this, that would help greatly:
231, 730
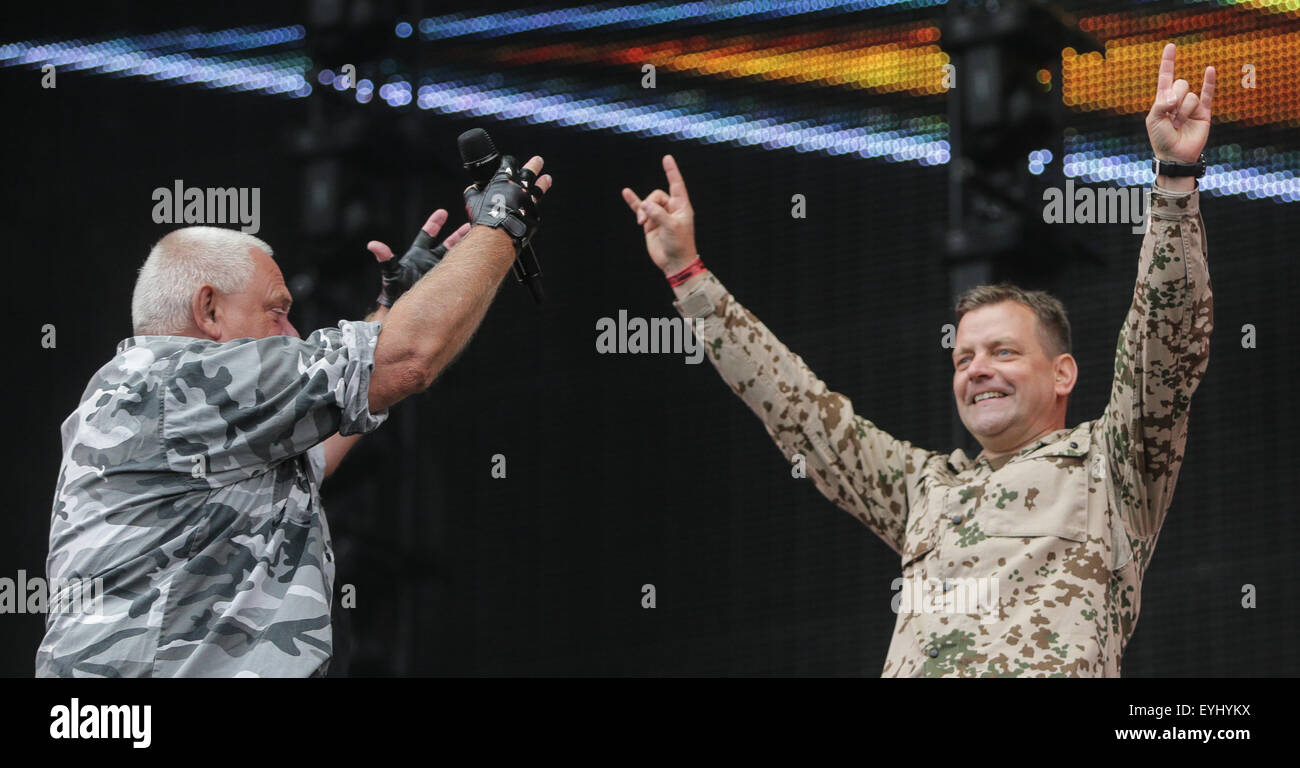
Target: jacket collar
1062, 442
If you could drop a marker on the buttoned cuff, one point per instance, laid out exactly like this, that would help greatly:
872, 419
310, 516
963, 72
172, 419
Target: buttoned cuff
353, 389
704, 300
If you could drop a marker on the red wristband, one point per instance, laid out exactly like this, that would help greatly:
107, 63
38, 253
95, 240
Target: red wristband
691, 270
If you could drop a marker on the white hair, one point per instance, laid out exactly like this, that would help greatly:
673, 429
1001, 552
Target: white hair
178, 265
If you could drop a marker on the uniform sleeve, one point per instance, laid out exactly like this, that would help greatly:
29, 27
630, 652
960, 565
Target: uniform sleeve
250, 403
1162, 354
858, 466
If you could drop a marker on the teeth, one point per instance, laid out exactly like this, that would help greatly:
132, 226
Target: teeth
987, 395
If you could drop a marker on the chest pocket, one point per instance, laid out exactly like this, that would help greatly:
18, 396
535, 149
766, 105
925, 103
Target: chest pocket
1042, 494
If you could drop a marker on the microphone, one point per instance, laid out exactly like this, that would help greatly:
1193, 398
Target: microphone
481, 158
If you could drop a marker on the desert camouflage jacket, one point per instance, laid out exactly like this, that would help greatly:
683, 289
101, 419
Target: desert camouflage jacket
190, 485
1062, 532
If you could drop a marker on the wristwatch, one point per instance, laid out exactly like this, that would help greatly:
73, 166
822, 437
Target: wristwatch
1171, 168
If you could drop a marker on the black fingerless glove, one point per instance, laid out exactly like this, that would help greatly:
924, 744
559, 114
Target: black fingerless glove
510, 201
398, 275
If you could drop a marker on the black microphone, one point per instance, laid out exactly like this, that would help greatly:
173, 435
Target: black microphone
481, 158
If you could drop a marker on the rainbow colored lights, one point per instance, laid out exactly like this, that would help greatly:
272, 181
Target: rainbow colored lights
1254, 45
637, 16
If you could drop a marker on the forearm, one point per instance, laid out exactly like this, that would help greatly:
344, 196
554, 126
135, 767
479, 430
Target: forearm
430, 323
1177, 184
378, 315
757, 366
1161, 357
858, 466
336, 447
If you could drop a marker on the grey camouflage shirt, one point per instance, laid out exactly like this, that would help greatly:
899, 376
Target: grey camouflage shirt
190, 485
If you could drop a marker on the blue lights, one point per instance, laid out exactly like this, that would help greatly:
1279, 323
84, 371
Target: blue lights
1038, 160
1272, 175
264, 60
607, 15
627, 110
173, 57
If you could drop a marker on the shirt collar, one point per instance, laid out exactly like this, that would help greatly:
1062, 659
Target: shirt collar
158, 343
1049, 438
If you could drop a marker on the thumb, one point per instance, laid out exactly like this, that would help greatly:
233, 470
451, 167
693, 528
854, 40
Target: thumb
382, 252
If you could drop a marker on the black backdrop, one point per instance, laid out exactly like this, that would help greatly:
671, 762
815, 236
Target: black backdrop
624, 470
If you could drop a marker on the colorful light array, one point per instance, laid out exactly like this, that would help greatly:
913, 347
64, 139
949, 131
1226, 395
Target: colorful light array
1254, 57
640, 15
1259, 173
908, 58
686, 115
904, 58
168, 57
1291, 7
900, 58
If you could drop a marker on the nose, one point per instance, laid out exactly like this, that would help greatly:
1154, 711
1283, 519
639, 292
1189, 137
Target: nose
980, 367
290, 330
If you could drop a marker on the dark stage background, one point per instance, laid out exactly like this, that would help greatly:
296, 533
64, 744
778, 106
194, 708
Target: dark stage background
624, 470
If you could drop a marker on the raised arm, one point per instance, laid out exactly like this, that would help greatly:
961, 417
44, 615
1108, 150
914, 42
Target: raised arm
861, 468
427, 327
396, 278
1164, 344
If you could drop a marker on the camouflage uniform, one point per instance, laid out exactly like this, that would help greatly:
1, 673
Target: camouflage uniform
1067, 526
190, 485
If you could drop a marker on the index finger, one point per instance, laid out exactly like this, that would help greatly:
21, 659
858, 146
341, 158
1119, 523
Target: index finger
1166, 79
435, 222
676, 184
534, 164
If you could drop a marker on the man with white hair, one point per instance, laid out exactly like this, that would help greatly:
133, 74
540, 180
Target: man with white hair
191, 470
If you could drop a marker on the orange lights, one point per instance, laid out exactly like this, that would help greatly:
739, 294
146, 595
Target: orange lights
905, 58
1256, 83
1257, 58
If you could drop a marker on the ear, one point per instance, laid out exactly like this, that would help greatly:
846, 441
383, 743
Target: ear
204, 311
1065, 371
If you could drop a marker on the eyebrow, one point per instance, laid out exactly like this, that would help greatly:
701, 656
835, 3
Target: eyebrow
282, 298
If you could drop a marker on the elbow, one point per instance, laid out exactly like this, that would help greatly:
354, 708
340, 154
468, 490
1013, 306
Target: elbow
395, 380
403, 365
418, 371
413, 378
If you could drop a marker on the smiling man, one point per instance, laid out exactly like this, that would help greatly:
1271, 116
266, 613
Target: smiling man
1062, 521
1013, 371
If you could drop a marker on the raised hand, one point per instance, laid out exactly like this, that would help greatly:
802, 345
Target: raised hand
511, 200
1178, 124
667, 220
398, 275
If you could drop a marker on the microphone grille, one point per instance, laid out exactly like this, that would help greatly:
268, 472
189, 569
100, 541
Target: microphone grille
475, 146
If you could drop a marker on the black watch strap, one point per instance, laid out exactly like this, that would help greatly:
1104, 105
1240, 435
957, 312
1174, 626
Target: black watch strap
1171, 168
